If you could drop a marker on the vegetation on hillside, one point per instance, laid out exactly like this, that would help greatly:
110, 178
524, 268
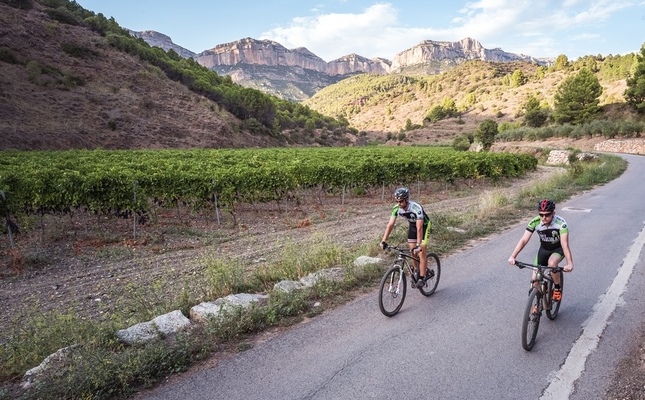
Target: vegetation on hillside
519, 93
260, 113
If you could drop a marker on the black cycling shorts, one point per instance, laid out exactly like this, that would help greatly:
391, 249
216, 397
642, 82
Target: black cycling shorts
543, 255
412, 233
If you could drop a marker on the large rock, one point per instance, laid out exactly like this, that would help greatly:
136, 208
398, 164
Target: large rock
157, 328
204, 311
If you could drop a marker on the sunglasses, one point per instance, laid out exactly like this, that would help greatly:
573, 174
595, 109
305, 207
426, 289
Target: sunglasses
545, 215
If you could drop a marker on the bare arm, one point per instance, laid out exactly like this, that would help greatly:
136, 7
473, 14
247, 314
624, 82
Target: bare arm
520, 245
564, 240
388, 229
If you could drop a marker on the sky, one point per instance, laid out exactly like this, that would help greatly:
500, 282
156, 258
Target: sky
334, 28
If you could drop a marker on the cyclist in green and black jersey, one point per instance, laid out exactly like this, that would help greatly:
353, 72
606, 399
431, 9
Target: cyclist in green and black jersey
417, 231
553, 232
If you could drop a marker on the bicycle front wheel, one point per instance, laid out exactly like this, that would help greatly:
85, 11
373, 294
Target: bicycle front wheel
555, 305
392, 291
531, 320
433, 272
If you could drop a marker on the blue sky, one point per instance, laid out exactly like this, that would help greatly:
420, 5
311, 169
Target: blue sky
334, 28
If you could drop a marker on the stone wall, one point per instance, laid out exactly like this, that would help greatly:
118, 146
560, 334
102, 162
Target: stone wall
629, 146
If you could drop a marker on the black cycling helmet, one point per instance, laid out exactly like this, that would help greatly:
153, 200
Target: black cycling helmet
546, 205
402, 193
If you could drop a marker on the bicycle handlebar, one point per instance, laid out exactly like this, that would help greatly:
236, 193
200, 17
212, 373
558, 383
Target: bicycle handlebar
398, 248
521, 265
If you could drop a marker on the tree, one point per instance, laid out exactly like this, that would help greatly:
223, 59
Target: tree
486, 133
534, 115
561, 63
518, 78
635, 92
577, 98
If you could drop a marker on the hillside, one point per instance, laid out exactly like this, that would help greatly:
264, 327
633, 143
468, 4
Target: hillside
379, 105
63, 86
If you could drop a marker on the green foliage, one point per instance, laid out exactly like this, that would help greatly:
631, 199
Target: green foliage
518, 78
461, 143
447, 109
534, 115
635, 92
78, 51
486, 133
62, 14
6, 55
561, 63
105, 181
577, 98
20, 4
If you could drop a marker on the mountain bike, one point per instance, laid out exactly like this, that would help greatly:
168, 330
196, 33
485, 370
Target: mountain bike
394, 284
539, 300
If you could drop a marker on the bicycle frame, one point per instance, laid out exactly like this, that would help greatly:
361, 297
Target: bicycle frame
544, 280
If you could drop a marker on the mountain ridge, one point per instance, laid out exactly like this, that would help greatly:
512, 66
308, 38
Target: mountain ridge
297, 74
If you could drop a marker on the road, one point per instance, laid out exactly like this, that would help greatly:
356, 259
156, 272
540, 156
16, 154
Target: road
463, 342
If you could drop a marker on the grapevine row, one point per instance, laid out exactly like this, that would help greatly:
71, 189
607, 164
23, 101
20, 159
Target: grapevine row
104, 181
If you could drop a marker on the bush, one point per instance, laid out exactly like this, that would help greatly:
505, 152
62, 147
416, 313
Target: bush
61, 14
461, 143
7, 56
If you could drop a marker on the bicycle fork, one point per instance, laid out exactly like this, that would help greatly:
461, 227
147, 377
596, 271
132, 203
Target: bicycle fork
395, 287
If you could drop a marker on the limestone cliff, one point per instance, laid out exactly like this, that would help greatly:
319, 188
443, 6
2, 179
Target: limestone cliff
454, 52
160, 40
273, 54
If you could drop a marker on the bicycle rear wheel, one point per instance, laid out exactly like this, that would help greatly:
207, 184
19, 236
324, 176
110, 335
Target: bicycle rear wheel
531, 320
555, 305
392, 291
433, 272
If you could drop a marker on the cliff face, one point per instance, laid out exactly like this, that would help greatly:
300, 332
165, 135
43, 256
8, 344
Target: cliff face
154, 38
296, 74
455, 52
273, 54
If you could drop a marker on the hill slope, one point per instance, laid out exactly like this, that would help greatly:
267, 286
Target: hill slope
63, 87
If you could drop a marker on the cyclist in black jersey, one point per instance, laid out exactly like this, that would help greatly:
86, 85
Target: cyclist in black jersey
417, 231
553, 232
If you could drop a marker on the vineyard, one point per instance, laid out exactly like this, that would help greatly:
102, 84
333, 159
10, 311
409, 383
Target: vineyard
131, 182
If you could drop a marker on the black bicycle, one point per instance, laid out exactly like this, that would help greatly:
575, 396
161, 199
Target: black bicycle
394, 285
539, 300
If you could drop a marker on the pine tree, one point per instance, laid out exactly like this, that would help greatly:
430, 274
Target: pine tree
577, 98
635, 92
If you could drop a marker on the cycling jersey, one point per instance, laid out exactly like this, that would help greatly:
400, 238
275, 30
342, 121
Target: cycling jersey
549, 234
413, 213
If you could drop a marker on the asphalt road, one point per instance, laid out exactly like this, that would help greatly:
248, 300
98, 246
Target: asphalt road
463, 342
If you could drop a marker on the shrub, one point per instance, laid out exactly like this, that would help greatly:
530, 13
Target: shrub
7, 56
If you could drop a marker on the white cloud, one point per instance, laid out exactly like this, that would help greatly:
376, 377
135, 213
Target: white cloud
537, 28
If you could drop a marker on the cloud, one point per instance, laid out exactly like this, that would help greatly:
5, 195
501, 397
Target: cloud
538, 28
334, 35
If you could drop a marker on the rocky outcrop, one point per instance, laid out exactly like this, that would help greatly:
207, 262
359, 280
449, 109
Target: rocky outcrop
269, 53
259, 52
353, 63
160, 40
456, 52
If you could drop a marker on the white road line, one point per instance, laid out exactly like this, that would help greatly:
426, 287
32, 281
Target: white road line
561, 385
